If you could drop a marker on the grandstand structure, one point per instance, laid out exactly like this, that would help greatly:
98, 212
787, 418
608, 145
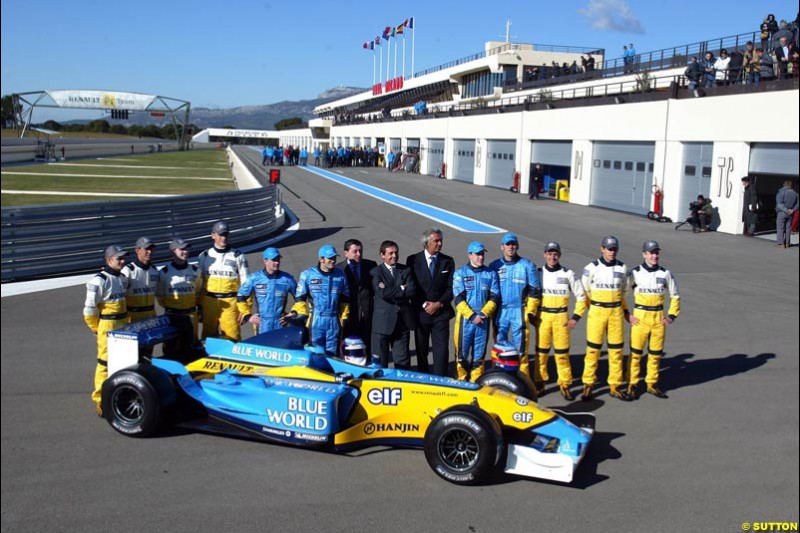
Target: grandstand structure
612, 137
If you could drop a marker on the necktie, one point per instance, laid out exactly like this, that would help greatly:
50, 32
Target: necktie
432, 266
391, 271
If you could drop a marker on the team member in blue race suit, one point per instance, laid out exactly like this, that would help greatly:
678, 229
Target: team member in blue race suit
322, 296
520, 290
272, 289
476, 290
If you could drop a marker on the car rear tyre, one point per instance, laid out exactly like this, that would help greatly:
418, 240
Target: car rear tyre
463, 444
138, 400
514, 383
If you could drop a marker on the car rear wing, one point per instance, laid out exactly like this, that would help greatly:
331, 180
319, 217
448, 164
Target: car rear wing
124, 343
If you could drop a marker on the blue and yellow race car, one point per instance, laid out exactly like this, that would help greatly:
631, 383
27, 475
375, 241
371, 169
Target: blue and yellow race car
274, 387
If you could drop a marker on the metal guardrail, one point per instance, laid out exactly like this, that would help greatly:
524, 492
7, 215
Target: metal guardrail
510, 46
45, 241
676, 56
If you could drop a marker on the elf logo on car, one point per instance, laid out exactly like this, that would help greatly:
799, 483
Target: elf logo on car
385, 396
522, 417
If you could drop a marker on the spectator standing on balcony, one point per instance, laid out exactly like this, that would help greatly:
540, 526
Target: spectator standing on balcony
767, 64
708, 69
768, 28
590, 65
784, 31
752, 64
694, 73
625, 59
735, 67
785, 54
631, 58
721, 68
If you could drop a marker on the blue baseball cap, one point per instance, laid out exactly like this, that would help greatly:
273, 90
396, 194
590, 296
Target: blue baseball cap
509, 237
272, 253
475, 247
327, 251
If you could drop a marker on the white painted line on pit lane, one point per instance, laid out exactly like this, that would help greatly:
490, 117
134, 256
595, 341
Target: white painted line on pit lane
132, 160
437, 214
27, 287
70, 193
117, 176
114, 166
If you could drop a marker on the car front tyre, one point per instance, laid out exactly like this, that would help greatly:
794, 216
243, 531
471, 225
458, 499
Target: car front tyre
463, 444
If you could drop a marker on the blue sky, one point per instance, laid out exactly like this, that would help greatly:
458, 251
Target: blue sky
235, 53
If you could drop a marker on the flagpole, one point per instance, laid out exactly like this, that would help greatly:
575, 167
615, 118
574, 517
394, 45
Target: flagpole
404, 54
413, 41
395, 60
373, 63
388, 56
380, 68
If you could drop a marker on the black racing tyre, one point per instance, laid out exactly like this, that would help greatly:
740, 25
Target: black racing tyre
515, 383
138, 400
463, 445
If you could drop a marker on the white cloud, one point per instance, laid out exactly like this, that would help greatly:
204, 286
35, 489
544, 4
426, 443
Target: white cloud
612, 15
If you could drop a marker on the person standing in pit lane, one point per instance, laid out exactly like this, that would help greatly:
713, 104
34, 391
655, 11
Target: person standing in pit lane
476, 293
272, 288
223, 269
649, 283
603, 283
324, 298
520, 293
553, 323
105, 310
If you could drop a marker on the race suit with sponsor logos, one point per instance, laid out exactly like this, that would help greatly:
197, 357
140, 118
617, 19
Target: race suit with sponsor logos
649, 286
104, 310
520, 291
476, 291
140, 296
558, 284
325, 299
179, 290
271, 294
223, 272
605, 287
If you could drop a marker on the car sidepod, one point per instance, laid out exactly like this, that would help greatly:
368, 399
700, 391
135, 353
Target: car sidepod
294, 411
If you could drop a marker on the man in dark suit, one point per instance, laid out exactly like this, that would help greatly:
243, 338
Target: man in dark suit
432, 272
357, 270
392, 318
785, 53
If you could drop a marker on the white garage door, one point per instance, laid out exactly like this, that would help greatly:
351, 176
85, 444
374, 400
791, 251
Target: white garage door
622, 176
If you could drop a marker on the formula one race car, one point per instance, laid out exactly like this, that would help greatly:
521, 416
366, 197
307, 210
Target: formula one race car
273, 387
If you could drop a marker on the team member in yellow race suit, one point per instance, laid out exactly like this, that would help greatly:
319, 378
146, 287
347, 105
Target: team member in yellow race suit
179, 290
105, 310
142, 280
553, 322
604, 282
649, 283
223, 269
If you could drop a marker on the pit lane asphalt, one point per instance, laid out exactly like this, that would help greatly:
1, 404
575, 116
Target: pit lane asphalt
722, 450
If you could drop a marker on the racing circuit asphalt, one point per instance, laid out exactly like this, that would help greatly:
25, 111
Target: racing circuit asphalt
722, 450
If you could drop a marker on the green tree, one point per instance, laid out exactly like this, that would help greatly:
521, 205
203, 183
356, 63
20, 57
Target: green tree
98, 126
119, 129
290, 124
11, 110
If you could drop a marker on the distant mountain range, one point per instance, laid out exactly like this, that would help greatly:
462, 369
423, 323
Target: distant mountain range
265, 116
260, 117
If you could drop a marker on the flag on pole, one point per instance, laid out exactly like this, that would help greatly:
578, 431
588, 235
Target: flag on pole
387, 32
399, 29
378, 40
393, 31
366, 45
409, 23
